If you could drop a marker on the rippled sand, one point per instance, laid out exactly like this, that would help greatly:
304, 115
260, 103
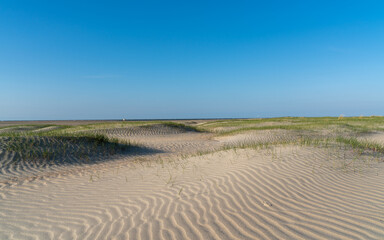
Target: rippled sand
176, 192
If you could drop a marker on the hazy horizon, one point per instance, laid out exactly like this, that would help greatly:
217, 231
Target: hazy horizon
179, 60
176, 119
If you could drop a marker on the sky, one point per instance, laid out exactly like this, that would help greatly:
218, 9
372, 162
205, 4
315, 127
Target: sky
146, 59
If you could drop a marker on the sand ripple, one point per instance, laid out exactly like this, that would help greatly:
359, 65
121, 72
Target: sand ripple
280, 193
375, 137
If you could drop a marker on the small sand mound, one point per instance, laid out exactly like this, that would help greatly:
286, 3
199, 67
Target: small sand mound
23, 156
146, 130
171, 138
55, 149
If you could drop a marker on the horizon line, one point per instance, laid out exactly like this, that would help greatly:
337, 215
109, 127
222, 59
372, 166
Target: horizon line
180, 119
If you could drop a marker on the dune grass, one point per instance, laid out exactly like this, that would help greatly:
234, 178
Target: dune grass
356, 124
361, 144
52, 146
70, 141
79, 141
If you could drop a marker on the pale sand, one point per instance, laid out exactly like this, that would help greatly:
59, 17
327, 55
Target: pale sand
376, 137
289, 192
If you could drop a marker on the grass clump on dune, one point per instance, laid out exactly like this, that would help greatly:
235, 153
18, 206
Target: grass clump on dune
61, 148
361, 145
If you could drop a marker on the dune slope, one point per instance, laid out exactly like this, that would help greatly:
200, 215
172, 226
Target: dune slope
281, 193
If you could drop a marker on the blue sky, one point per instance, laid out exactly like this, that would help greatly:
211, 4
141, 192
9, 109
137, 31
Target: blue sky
190, 59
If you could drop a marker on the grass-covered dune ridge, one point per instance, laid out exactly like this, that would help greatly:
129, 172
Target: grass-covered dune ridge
51, 147
357, 124
60, 148
50, 142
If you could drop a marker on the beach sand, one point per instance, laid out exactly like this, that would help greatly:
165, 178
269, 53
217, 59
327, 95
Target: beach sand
179, 192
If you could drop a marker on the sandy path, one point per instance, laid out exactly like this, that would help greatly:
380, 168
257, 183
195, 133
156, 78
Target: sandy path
288, 193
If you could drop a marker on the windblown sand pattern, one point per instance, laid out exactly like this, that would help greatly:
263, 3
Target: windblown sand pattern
146, 130
247, 194
280, 136
375, 137
41, 155
169, 189
164, 138
263, 136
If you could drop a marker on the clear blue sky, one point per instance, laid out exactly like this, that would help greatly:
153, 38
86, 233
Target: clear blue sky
190, 59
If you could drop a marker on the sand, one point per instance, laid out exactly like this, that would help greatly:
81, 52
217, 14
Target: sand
285, 192
375, 137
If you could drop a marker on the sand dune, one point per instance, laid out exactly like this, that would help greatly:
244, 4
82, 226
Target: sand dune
78, 154
164, 138
247, 194
169, 190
